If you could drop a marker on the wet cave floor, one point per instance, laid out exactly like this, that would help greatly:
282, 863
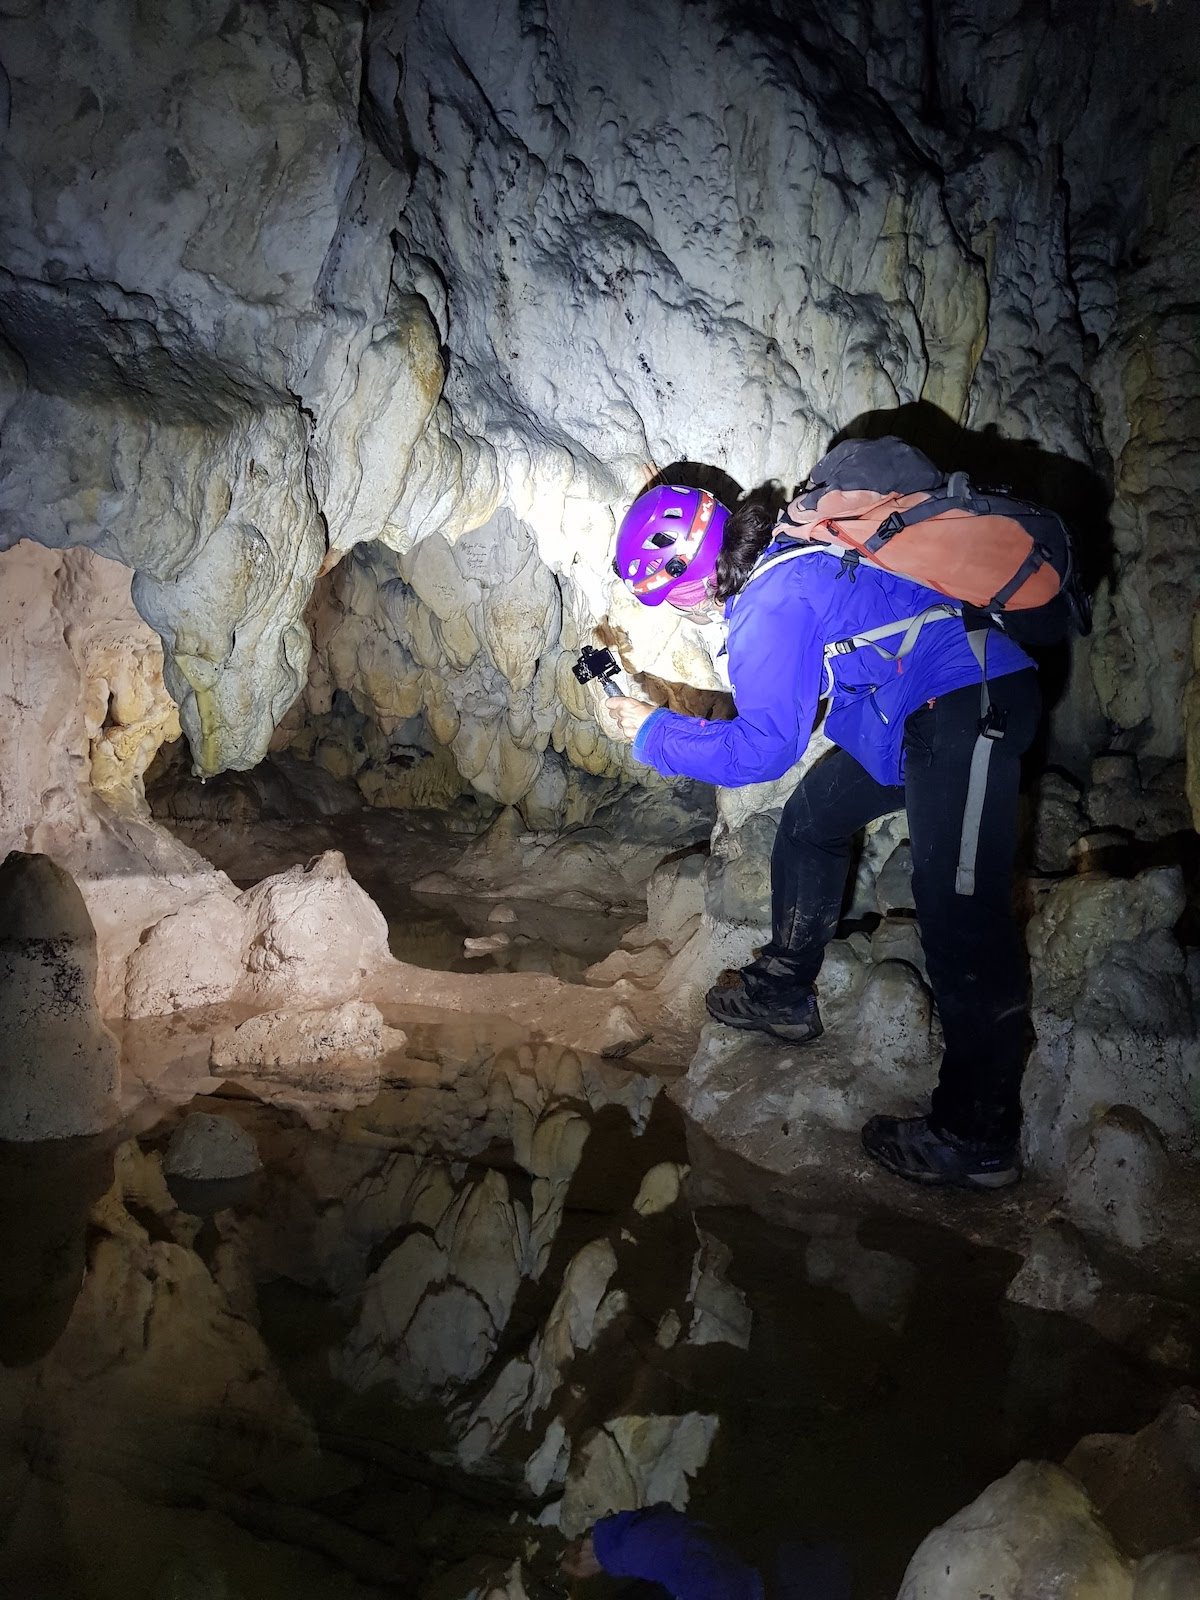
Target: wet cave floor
886, 1381
387, 852
393, 1360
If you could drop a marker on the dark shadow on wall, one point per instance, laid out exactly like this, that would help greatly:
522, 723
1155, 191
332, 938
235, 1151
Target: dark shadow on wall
1079, 493
699, 475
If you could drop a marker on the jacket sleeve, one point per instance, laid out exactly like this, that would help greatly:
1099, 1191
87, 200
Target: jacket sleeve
663, 1546
775, 668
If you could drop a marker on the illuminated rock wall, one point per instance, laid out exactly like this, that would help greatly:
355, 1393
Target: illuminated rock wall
314, 282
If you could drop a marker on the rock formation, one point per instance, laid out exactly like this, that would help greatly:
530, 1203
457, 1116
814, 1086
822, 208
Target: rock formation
333, 340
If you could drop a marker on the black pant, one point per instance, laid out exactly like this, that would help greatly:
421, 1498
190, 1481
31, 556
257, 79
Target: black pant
972, 948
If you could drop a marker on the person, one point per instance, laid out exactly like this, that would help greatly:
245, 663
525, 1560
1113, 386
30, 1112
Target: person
905, 729
663, 1546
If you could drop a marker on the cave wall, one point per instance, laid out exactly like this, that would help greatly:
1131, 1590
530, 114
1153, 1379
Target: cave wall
281, 281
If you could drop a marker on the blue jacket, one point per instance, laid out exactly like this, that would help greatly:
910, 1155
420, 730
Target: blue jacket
663, 1546
779, 626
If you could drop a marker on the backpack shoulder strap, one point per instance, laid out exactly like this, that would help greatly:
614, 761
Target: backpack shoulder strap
777, 560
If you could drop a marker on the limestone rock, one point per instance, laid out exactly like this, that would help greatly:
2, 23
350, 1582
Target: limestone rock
893, 1011
69, 619
1082, 919
659, 1188
720, 1314
898, 938
1058, 821
1170, 1575
634, 1461
193, 957
313, 935
1057, 1274
210, 1148
675, 893
60, 1074
738, 881
1032, 1532
1115, 1183
353, 1030
879, 1284
432, 1313
893, 886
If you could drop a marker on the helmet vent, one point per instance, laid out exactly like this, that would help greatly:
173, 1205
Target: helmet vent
674, 511
662, 540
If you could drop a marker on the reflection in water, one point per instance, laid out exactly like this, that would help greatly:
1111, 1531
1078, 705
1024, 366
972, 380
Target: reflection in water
367, 1370
46, 1193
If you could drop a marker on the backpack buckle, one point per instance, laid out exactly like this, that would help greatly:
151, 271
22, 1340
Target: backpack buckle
993, 724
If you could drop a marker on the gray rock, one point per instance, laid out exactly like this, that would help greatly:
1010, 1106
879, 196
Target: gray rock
893, 886
738, 886
59, 1064
1115, 1183
1058, 822
899, 939
210, 1148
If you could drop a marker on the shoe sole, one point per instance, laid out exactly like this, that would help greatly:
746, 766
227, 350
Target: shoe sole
801, 1034
988, 1183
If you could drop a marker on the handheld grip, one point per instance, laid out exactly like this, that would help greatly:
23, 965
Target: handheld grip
610, 688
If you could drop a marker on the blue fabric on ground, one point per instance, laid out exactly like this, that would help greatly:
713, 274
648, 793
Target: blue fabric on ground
779, 626
661, 1545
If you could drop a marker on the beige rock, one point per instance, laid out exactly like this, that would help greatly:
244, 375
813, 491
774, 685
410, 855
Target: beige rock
1082, 917
720, 1314
660, 1188
1147, 1484
572, 1320
354, 1029
1033, 1532
192, 957
634, 1461
313, 935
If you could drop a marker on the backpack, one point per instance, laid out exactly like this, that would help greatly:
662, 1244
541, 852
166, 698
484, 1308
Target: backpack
1008, 564
998, 562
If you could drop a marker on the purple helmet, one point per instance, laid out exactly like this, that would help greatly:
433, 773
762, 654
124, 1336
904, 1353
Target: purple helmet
669, 537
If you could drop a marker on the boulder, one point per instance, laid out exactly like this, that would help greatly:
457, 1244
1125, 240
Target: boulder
1115, 1183
313, 935
1032, 1533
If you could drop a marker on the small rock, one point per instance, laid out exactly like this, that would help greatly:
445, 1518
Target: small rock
660, 1188
893, 1015
211, 1148
1114, 1185
487, 945
898, 939
1057, 1274
893, 887
502, 914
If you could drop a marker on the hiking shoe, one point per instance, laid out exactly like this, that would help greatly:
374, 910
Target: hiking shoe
793, 1021
912, 1148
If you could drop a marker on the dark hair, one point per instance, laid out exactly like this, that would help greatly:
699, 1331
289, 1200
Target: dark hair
747, 534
